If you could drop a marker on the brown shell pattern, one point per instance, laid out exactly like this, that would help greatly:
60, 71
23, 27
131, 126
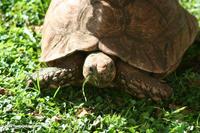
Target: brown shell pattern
151, 35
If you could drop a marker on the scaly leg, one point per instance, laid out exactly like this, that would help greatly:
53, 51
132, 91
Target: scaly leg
140, 84
61, 72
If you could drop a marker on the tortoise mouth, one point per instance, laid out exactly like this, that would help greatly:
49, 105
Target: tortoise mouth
97, 81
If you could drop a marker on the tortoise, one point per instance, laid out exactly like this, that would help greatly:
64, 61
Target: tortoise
127, 44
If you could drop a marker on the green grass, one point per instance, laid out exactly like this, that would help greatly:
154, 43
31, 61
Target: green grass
25, 109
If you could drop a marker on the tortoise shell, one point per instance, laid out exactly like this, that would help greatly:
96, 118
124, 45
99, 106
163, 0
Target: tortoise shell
151, 35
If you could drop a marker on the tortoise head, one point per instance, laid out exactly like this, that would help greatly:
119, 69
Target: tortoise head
99, 69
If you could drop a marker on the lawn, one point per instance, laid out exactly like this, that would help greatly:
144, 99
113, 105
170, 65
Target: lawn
25, 109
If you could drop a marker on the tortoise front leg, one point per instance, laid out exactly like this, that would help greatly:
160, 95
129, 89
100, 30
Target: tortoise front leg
140, 84
60, 73
54, 77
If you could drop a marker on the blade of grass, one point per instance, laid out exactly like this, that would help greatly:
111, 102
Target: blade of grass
83, 87
56, 92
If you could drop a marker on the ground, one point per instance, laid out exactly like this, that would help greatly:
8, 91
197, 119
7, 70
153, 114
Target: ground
24, 109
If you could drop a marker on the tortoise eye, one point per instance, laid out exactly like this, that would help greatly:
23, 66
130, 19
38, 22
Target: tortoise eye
91, 69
